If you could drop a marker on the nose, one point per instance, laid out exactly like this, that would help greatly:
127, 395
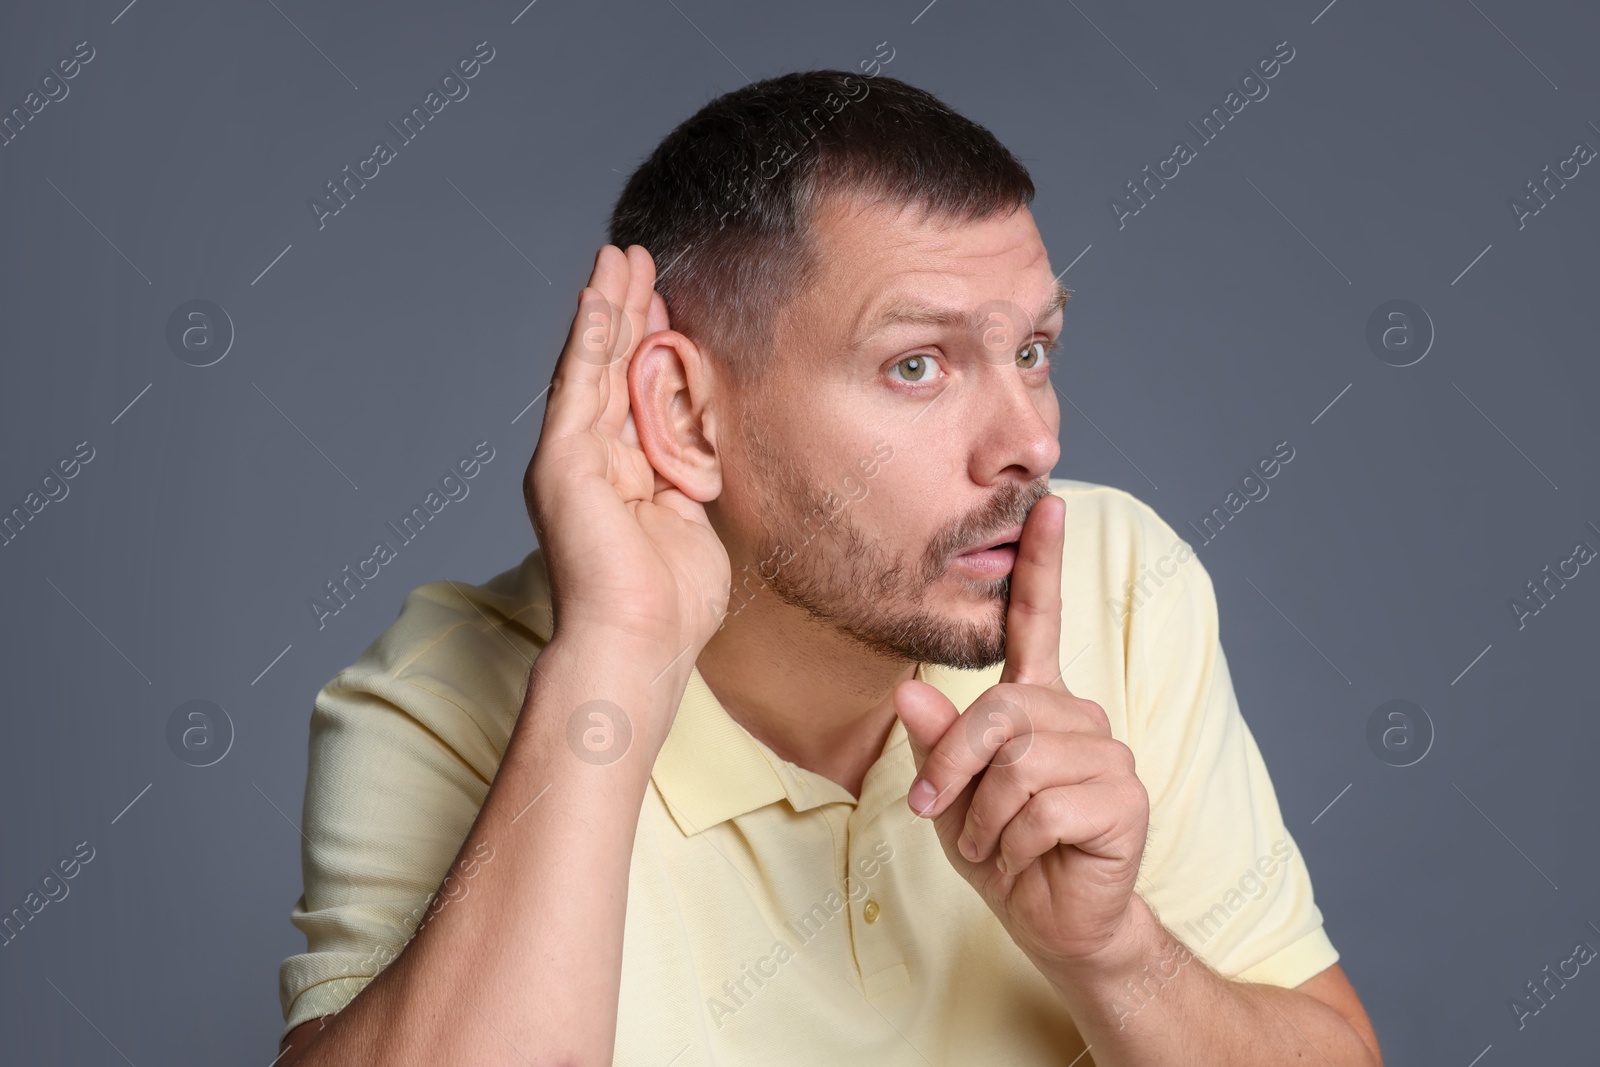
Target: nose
1018, 429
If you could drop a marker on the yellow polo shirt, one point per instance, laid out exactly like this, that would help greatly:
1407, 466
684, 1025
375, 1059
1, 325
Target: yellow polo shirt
771, 917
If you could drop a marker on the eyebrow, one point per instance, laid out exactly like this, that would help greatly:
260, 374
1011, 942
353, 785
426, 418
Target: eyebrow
951, 318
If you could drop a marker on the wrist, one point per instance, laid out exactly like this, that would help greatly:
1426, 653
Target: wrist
620, 653
1129, 952
608, 696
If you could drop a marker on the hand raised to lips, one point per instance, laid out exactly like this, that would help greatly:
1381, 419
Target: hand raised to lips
1034, 802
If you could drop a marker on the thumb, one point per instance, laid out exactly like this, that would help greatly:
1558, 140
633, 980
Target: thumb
927, 714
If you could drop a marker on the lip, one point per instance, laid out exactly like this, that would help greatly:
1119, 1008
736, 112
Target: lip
996, 562
995, 558
1008, 536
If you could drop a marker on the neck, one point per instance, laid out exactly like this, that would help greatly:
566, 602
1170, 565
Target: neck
814, 696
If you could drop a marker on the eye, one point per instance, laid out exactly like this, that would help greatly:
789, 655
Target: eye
1034, 352
918, 368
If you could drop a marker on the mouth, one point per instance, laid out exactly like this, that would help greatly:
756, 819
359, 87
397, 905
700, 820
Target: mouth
994, 557
1006, 538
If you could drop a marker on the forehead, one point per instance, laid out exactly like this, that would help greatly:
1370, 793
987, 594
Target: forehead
878, 258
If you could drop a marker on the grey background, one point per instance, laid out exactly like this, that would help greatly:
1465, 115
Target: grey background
1225, 317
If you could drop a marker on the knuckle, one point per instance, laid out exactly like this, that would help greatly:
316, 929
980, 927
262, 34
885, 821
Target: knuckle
1121, 756
1095, 713
1011, 692
1009, 756
1005, 776
1009, 702
1050, 808
943, 765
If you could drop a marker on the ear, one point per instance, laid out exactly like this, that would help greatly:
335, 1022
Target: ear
671, 386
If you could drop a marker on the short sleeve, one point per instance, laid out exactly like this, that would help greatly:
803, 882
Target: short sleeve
1220, 870
389, 799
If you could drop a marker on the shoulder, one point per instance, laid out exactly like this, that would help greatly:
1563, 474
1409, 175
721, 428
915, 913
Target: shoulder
455, 660
437, 617
1134, 591
1109, 507
1115, 536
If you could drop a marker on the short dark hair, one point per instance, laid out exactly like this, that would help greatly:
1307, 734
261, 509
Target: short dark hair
725, 203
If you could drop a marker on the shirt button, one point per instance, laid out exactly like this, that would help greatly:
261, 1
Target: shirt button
869, 911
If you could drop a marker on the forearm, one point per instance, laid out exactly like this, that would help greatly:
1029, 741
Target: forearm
1153, 1002
526, 966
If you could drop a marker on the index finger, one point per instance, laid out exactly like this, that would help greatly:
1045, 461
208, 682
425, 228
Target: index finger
615, 323
590, 374
1033, 619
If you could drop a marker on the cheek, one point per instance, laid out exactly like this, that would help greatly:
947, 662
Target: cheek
902, 514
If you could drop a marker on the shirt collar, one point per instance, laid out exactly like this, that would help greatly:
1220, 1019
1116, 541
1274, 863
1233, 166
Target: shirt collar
711, 769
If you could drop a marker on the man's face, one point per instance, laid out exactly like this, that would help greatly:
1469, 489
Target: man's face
885, 443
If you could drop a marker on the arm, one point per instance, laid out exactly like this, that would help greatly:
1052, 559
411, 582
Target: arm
1045, 816
1149, 1000
527, 967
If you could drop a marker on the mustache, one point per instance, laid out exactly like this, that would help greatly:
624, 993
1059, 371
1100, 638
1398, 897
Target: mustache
1009, 507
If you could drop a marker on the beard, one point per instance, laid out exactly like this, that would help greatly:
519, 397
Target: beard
848, 578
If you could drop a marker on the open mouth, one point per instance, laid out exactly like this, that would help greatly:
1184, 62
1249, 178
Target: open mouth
999, 546
1007, 538
995, 558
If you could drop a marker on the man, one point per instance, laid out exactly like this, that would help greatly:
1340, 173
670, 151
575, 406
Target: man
807, 735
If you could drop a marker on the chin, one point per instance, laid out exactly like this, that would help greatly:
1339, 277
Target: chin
967, 651
966, 638
976, 645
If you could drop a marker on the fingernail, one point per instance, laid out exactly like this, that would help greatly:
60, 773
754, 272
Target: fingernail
922, 796
1000, 865
969, 847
